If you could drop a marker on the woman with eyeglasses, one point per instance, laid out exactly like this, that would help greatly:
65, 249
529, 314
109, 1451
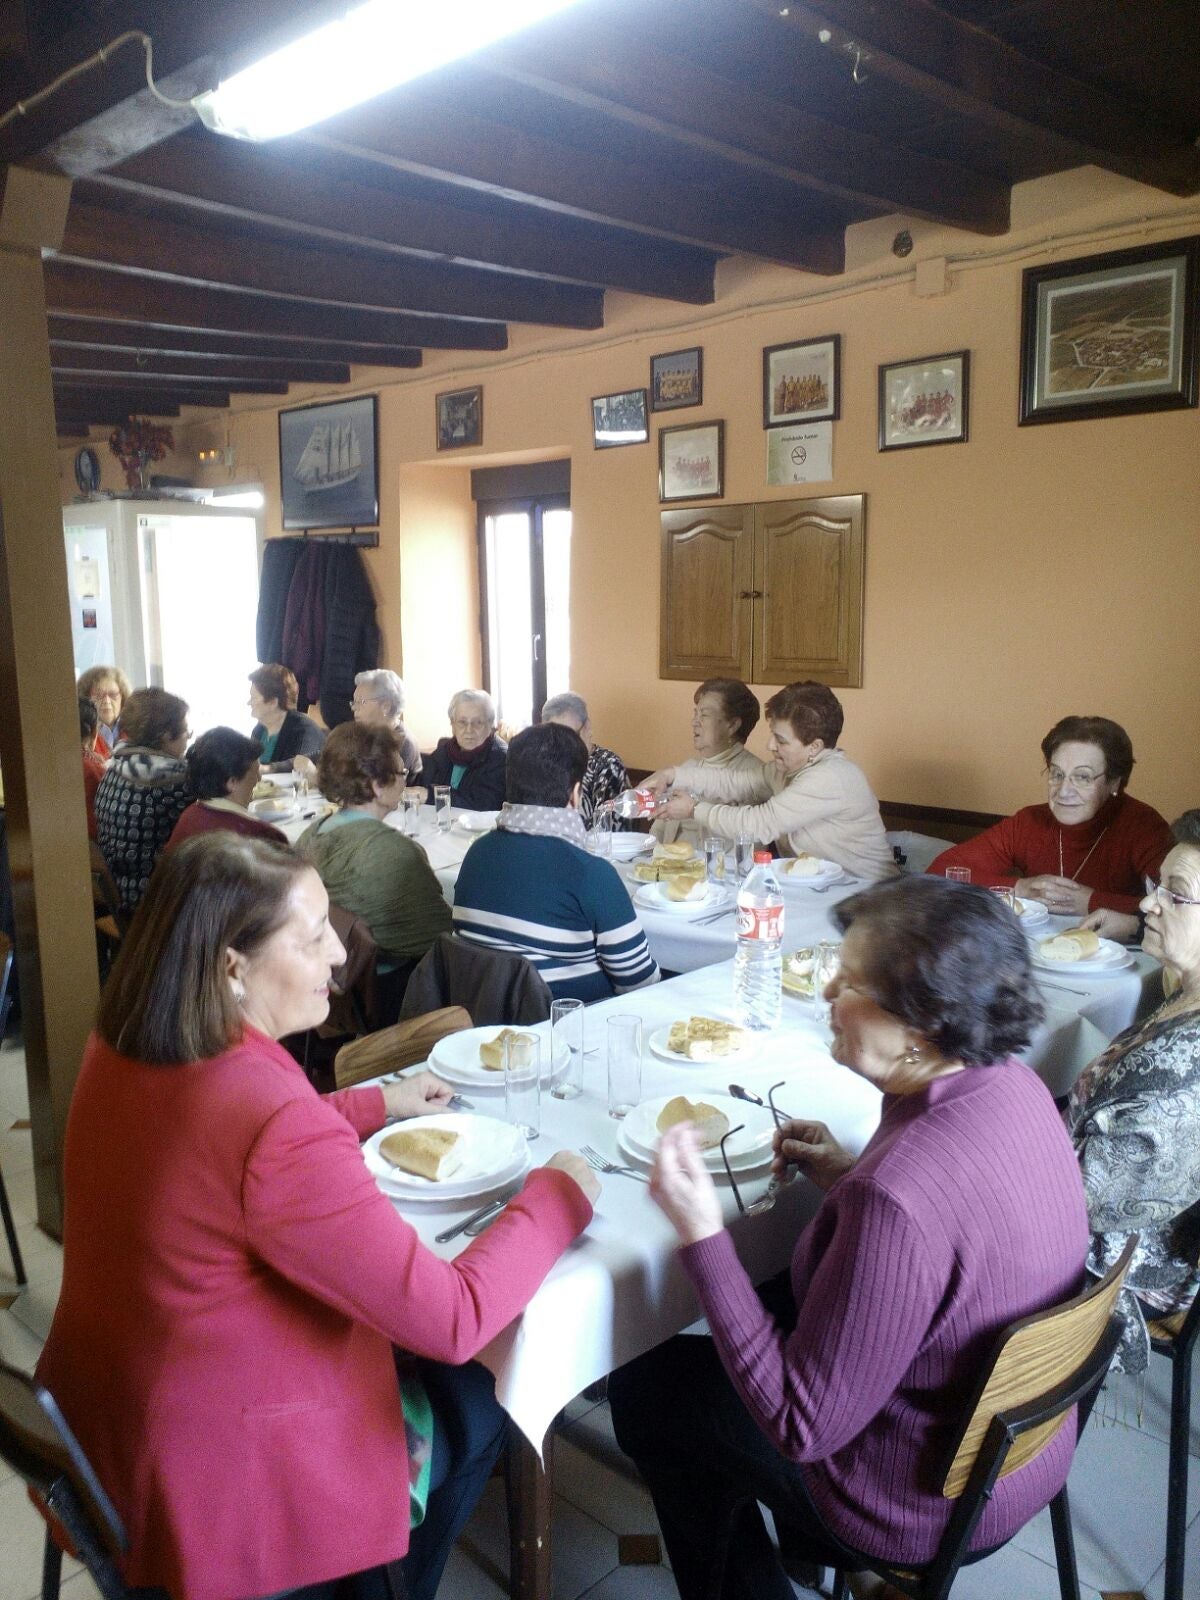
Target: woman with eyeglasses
471, 762
1091, 846
1135, 1118
835, 1406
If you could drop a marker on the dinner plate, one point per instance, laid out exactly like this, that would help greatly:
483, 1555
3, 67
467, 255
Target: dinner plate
752, 1147
272, 811
707, 897
473, 823
495, 1153
658, 1044
1109, 959
1033, 913
828, 872
628, 846
456, 1058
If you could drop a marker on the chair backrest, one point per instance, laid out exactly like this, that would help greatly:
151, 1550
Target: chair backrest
495, 986
105, 893
1035, 1360
352, 997
401, 1045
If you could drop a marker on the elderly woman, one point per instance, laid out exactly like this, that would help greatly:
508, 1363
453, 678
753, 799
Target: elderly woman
145, 790
289, 739
964, 1212
237, 1392
724, 715
1135, 1117
605, 775
810, 798
108, 689
471, 761
379, 702
372, 870
1092, 846
223, 768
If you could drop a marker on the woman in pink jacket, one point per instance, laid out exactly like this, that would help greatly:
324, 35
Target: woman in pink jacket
237, 1293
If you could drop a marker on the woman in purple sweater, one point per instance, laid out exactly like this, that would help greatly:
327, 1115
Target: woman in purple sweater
837, 1406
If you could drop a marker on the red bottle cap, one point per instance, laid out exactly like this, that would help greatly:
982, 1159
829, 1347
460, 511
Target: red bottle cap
762, 856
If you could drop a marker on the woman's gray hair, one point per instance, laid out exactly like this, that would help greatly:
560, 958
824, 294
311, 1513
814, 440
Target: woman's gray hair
1187, 828
386, 687
565, 705
475, 697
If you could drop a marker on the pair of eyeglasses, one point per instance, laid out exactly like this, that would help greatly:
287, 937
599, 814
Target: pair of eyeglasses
781, 1118
1166, 896
1083, 779
469, 727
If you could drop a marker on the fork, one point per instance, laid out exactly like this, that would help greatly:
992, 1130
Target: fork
834, 883
600, 1163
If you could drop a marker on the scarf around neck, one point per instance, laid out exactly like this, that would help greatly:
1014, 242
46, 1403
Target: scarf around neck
547, 822
467, 758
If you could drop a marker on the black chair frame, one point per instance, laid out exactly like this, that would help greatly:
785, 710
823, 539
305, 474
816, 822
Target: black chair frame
1180, 1350
6, 1216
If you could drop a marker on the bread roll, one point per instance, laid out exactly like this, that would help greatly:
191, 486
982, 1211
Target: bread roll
491, 1051
680, 850
711, 1125
1075, 944
680, 886
802, 867
432, 1153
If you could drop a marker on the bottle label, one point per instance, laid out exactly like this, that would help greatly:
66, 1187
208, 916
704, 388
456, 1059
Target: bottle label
760, 922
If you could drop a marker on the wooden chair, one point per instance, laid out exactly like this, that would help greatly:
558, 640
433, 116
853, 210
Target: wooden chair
1176, 1337
1041, 1367
6, 1216
401, 1045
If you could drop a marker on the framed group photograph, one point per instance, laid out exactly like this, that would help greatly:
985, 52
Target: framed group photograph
459, 418
801, 382
619, 419
1110, 334
924, 401
329, 465
677, 380
691, 462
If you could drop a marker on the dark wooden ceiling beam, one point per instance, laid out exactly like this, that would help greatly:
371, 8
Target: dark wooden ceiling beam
135, 397
215, 369
158, 383
283, 186
88, 333
963, 69
119, 296
209, 258
101, 408
632, 82
726, 212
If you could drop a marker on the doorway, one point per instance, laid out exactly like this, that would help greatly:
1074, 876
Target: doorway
525, 575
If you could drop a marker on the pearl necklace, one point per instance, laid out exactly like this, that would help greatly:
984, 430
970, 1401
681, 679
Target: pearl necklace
1086, 859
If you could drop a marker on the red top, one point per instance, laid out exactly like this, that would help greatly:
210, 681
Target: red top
233, 1284
94, 768
1129, 839
200, 817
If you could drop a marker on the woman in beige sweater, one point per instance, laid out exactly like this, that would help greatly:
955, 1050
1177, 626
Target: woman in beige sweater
724, 715
809, 799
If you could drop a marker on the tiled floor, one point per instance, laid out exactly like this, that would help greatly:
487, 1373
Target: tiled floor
1117, 1485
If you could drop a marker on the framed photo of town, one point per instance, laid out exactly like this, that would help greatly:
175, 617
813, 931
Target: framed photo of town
801, 382
677, 380
1111, 334
619, 419
691, 462
329, 465
460, 418
925, 401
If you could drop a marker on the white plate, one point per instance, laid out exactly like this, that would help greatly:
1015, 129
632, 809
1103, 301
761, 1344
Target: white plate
456, 1058
1033, 913
658, 1043
752, 1147
829, 871
628, 846
1109, 959
495, 1154
473, 823
706, 897
272, 811
282, 780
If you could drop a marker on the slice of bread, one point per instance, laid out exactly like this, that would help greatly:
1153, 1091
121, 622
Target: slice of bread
710, 1124
1075, 944
802, 866
679, 850
681, 886
491, 1051
432, 1153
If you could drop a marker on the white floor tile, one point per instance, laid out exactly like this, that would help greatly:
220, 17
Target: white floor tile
18, 1346
583, 1551
21, 1195
636, 1583
81, 1587
16, 1146
1012, 1574
35, 1305
1156, 1410
1191, 1568
465, 1579
615, 1499
23, 1537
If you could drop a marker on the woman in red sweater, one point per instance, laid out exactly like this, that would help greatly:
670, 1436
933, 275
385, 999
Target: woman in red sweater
223, 767
237, 1293
1092, 846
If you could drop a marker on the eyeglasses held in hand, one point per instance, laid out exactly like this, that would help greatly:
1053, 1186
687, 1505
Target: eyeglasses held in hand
781, 1118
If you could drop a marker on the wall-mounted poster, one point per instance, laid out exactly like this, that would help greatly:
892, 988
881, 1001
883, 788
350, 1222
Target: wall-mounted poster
460, 418
329, 465
801, 381
801, 454
925, 401
677, 380
619, 419
691, 462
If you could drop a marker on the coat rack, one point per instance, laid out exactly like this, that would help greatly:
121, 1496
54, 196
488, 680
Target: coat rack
362, 541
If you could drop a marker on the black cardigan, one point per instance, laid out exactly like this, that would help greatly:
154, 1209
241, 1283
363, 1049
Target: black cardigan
299, 736
482, 787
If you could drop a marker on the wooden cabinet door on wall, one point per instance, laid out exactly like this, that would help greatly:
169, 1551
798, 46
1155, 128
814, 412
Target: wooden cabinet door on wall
707, 575
809, 571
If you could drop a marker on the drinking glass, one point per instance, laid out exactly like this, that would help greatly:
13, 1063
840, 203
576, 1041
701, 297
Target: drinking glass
599, 839
826, 958
1002, 891
624, 1034
412, 815
566, 1031
523, 1084
959, 874
743, 855
441, 805
714, 860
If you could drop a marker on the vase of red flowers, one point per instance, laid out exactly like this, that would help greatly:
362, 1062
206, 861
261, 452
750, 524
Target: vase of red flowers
136, 444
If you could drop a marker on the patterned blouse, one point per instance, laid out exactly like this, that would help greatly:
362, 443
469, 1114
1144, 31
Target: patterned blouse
604, 779
1134, 1114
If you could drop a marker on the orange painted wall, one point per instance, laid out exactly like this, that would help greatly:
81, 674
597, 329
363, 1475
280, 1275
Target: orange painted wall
1026, 574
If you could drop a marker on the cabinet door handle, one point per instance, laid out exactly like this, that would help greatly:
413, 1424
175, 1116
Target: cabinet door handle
751, 594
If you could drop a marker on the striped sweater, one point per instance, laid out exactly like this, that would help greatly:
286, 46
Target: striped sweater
562, 909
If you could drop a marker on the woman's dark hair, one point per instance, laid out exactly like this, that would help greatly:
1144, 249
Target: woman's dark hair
811, 710
1110, 736
168, 999
152, 716
218, 757
277, 683
544, 765
354, 759
89, 720
737, 703
950, 960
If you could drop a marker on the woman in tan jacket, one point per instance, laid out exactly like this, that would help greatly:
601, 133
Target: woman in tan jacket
725, 714
809, 799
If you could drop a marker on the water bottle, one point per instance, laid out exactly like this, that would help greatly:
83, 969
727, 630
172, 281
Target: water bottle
758, 964
635, 803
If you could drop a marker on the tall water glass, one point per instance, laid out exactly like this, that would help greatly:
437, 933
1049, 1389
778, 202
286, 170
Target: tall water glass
624, 1034
412, 815
523, 1083
566, 1034
743, 855
441, 805
714, 860
826, 959
599, 839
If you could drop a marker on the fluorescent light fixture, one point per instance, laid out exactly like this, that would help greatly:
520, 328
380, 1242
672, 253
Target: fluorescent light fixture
371, 49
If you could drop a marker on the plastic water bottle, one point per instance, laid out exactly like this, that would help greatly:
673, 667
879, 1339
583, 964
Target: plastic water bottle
634, 803
758, 964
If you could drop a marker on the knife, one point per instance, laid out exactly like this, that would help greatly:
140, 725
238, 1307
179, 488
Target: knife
497, 1203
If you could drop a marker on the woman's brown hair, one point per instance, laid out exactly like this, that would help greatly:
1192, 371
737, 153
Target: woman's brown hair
277, 683
354, 759
152, 716
811, 710
737, 703
168, 999
1113, 741
91, 680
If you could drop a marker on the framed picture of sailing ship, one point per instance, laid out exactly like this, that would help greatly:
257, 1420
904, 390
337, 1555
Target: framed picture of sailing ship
329, 465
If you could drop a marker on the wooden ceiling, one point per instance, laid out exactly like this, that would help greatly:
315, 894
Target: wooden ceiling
628, 144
